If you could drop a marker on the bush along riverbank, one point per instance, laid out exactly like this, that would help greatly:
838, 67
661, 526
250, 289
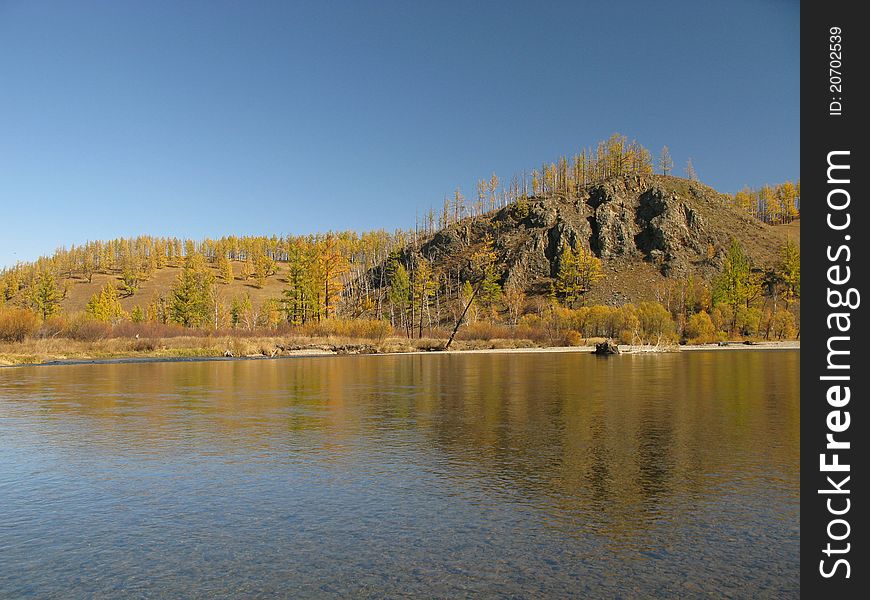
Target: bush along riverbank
644, 328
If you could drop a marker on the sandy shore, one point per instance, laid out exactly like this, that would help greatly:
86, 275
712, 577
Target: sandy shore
324, 352
784, 345
628, 349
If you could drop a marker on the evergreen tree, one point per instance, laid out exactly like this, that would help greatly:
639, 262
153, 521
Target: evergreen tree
400, 293
744, 201
247, 269
298, 295
787, 196
484, 265
468, 294
241, 312
615, 153
225, 266
771, 205
45, 296
789, 272
137, 315
188, 302
105, 306
157, 311
578, 271
90, 260
270, 313
424, 288
130, 280
332, 264
12, 283
736, 286
260, 272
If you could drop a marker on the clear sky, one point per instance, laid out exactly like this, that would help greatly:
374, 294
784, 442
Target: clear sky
197, 119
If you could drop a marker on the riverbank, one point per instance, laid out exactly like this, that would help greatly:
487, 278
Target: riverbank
55, 351
63, 350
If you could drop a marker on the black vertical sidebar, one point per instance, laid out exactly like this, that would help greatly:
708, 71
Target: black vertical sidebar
835, 227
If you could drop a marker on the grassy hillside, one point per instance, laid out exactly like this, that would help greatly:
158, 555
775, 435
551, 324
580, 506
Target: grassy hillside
640, 258
648, 232
79, 290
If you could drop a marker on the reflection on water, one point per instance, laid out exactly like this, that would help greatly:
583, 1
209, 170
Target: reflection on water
445, 476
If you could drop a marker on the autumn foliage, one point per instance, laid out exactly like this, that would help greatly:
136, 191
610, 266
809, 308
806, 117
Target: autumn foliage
377, 284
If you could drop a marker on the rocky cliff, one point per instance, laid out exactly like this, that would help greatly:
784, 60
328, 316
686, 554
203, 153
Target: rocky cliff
644, 229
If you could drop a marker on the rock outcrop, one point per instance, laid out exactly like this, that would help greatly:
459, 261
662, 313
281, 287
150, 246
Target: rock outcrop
643, 228
606, 348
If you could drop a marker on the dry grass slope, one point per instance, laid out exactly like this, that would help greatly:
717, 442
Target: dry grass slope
79, 290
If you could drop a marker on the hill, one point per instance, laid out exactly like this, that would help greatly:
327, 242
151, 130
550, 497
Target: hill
646, 230
79, 290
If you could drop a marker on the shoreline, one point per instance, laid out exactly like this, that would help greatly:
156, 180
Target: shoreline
321, 352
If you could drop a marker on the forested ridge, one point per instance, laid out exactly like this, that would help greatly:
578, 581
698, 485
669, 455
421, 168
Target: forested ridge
532, 256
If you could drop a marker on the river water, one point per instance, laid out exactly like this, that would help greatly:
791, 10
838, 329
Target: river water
450, 476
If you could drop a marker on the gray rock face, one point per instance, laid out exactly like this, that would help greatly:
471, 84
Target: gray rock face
675, 225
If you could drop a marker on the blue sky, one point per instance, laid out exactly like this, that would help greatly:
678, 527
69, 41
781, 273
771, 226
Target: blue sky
208, 118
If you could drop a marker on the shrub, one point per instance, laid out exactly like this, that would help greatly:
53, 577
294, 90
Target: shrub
137, 315
240, 347
530, 321
700, 328
749, 320
17, 324
624, 322
372, 329
573, 338
150, 329
654, 323
783, 325
428, 344
84, 328
520, 209
483, 330
721, 315
598, 322
626, 336
146, 345
53, 327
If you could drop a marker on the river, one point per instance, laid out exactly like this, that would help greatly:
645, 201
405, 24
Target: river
484, 475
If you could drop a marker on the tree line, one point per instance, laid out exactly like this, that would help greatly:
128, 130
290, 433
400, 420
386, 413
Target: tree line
773, 204
392, 276
417, 298
615, 157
